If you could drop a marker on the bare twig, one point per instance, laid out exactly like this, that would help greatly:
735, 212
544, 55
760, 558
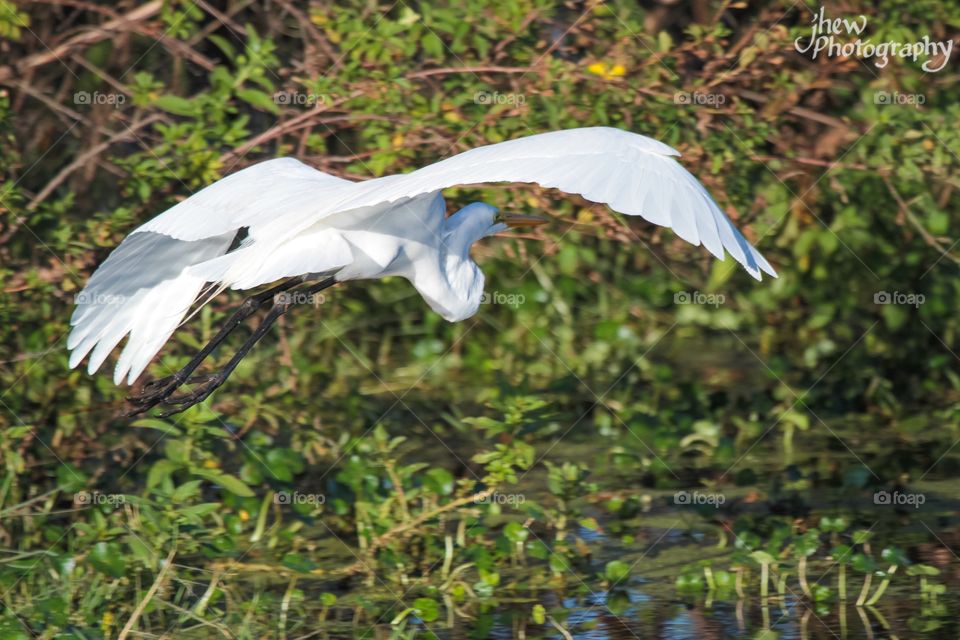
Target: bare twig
127, 628
926, 235
91, 36
84, 157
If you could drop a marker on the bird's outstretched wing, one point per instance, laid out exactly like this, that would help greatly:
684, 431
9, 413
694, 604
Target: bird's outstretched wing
149, 282
630, 173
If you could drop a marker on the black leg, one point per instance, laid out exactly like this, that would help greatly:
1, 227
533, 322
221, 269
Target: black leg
160, 391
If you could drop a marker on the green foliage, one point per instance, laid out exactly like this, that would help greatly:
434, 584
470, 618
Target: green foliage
384, 472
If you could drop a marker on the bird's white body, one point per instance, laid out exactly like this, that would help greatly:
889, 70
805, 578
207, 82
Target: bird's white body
302, 221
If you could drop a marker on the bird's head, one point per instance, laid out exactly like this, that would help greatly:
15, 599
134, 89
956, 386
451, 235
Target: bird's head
462, 292
478, 220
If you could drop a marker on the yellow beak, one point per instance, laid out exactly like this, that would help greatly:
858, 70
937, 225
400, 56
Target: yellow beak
515, 221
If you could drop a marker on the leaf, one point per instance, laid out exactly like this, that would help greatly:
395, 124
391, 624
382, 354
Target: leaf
616, 571
175, 105
224, 45
515, 532
159, 425
922, 570
69, 478
439, 481
432, 45
539, 614
298, 563
186, 490
107, 557
231, 483
258, 99
199, 510
160, 471
426, 609
895, 556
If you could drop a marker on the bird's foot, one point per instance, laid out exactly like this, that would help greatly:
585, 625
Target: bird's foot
159, 391
206, 385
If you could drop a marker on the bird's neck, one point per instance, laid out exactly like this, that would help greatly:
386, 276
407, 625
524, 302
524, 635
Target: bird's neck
455, 289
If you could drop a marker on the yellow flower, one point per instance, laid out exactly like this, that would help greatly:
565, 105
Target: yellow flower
244, 516
397, 141
607, 73
106, 622
597, 68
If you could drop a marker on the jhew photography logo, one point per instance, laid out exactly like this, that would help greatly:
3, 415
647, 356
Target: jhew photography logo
715, 500
899, 499
831, 37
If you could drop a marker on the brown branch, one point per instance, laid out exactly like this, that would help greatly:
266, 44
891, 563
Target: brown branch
282, 128
926, 235
802, 112
405, 528
453, 70
83, 158
91, 36
311, 30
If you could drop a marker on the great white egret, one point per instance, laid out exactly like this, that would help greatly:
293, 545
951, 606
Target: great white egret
281, 220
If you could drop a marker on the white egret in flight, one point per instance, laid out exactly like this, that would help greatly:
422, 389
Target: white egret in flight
281, 220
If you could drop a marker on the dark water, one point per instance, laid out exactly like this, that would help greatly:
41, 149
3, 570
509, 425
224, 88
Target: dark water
665, 540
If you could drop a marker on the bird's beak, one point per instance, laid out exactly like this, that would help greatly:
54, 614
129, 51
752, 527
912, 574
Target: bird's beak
515, 221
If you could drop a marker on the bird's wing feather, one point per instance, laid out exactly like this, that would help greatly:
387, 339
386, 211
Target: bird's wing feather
143, 289
633, 174
259, 197
149, 282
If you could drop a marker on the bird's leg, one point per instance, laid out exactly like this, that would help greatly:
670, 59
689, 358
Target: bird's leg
156, 391
208, 384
